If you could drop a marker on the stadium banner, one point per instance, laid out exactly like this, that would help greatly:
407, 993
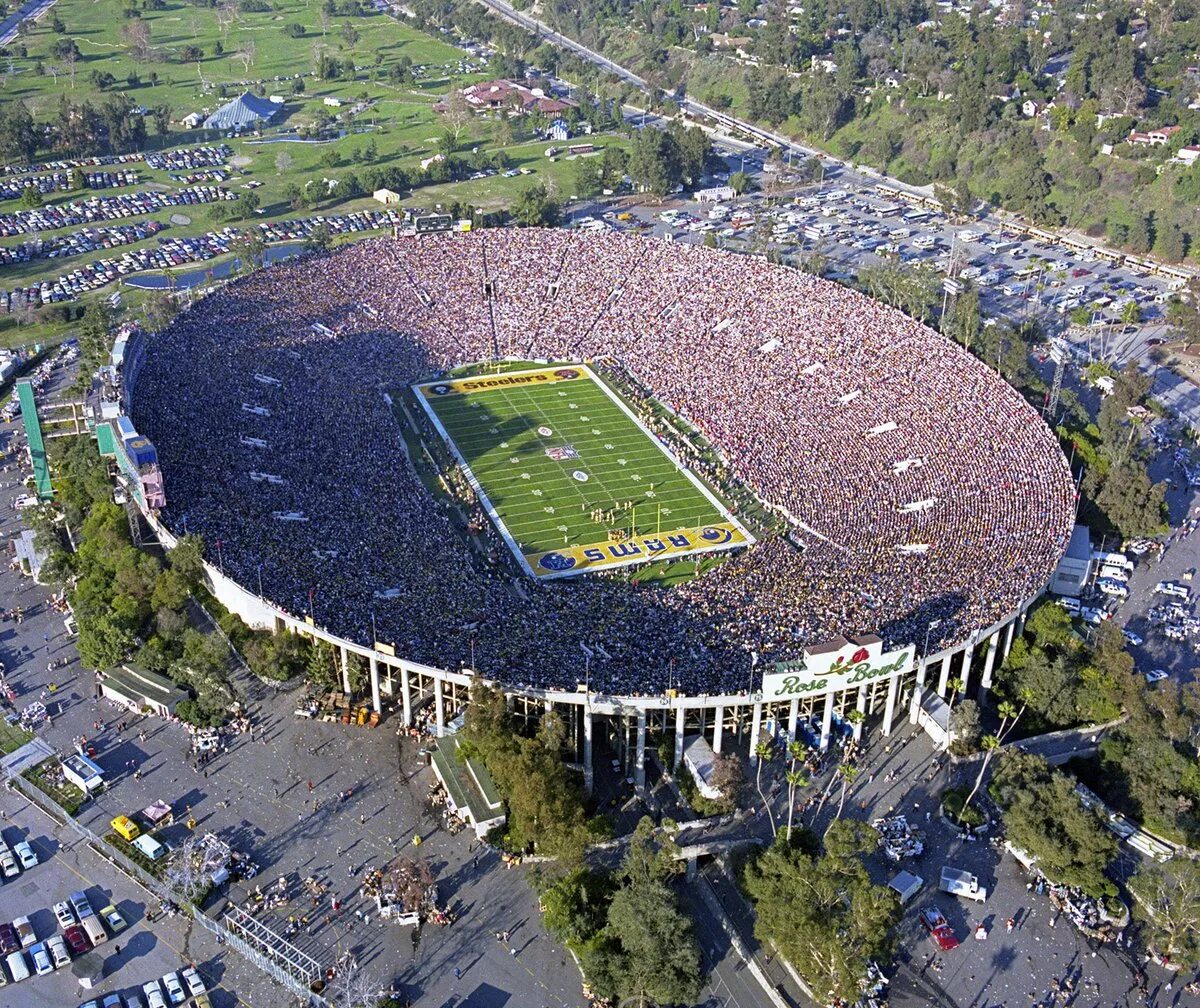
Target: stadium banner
818, 674
638, 549
487, 383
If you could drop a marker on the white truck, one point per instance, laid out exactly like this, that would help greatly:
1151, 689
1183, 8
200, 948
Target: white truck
962, 883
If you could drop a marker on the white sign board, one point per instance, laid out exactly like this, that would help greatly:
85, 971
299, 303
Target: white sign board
819, 674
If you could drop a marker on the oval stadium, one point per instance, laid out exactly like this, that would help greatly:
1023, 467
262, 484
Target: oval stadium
607, 471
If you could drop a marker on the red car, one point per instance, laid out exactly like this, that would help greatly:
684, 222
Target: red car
77, 939
1077, 273
9, 942
938, 928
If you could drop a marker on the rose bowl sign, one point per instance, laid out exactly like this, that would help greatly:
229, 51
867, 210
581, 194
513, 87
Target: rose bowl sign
836, 666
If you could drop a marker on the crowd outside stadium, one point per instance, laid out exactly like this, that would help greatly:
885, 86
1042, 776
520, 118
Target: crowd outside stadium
904, 517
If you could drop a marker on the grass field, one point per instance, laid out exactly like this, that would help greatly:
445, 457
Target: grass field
569, 477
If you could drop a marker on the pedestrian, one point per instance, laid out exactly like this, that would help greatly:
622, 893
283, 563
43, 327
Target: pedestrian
457, 973
118, 949
310, 785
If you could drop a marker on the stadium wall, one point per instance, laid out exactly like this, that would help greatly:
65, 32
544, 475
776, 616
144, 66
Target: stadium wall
436, 697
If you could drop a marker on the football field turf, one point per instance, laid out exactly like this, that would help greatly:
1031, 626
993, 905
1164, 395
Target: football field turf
569, 476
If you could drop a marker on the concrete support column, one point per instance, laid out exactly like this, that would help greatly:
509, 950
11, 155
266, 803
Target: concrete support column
918, 689
345, 670
406, 696
639, 770
944, 673
755, 730
439, 705
860, 705
718, 728
889, 706
375, 703
1009, 633
588, 774
967, 659
985, 681
793, 719
826, 722
679, 723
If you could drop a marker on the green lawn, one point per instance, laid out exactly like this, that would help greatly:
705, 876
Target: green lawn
12, 737
573, 482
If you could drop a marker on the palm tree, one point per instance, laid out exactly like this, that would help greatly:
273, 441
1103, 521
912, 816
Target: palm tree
794, 779
989, 744
1007, 710
763, 752
848, 774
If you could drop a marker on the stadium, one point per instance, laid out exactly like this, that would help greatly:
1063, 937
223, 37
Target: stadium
645, 482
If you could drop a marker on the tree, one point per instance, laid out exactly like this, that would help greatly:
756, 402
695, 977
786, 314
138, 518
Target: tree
535, 208
964, 726
1168, 898
135, 33
821, 911
353, 987
31, 197
762, 753
990, 744
740, 182
18, 132
576, 906
1045, 817
646, 954
456, 114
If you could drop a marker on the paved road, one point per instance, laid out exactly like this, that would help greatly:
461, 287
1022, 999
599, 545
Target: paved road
32, 10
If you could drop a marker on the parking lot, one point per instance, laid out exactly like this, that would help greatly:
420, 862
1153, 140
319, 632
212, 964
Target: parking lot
132, 952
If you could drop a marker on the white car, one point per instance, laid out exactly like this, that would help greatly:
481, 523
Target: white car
1155, 675
1113, 588
194, 984
1132, 638
174, 988
64, 913
25, 855
154, 995
58, 951
8, 864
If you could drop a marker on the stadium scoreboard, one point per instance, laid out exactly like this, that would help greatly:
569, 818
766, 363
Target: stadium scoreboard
433, 222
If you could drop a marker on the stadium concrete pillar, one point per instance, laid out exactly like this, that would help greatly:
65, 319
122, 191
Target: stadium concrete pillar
718, 727
639, 766
985, 681
679, 724
944, 673
345, 670
439, 705
860, 705
889, 706
826, 721
587, 749
793, 719
376, 706
967, 658
755, 730
405, 696
1008, 638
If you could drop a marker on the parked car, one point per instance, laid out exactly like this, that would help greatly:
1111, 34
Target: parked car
80, 904
154, 994
25, 932
41, 959
65, 915
9, 942
25, 855
174, 988
194, 984
8, 864
58, 951
1156, 675
1132, 638
939, 928
112, 917
77, 940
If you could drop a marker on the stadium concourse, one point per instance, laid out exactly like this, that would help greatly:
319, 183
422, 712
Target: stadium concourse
927, 501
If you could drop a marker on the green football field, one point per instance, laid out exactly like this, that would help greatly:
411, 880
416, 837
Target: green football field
568, 475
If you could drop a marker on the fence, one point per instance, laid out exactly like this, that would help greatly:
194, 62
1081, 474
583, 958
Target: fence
256, 942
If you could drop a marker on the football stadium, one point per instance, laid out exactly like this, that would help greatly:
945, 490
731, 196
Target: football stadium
646, 483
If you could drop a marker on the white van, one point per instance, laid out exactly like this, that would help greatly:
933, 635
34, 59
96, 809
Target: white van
152, 848
18, 966
1070, 604
94, 929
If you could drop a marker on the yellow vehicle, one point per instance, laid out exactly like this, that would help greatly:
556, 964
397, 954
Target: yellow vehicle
125, 828
624, 216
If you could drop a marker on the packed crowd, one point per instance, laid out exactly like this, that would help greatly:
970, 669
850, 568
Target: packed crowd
65, 182
102, 208
919, 487
172, 160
